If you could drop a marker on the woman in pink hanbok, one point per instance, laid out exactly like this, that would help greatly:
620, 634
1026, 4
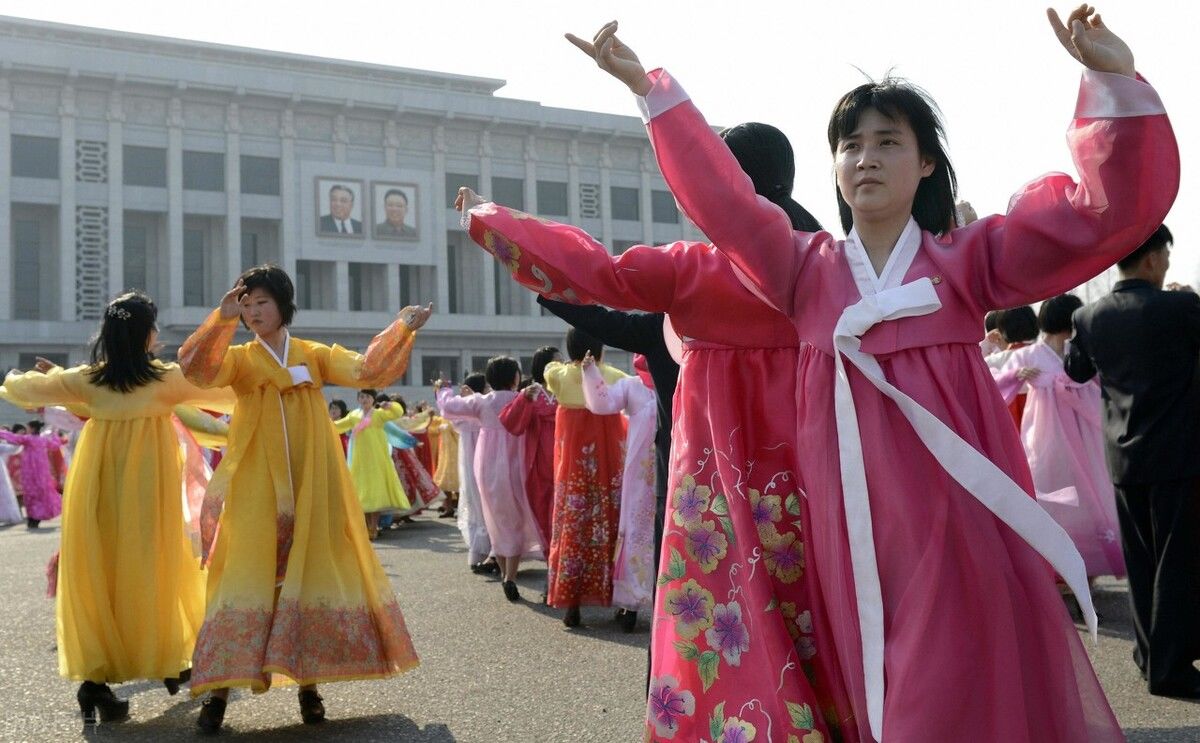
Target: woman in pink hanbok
499, 469
38, 485
740, 641
470, 512
950, 598
531, 416
633, 563
1064, 440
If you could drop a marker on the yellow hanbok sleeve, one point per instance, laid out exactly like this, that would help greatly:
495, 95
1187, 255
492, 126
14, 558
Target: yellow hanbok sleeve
389, 412
418, 423
204, 356
67, 387
180, 391
555, 373
350, 420
384, 362
210, 432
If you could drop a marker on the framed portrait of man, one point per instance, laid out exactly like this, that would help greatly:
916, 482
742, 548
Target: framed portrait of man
340, 209
395, 210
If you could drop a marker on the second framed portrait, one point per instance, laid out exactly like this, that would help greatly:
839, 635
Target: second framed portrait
395, 209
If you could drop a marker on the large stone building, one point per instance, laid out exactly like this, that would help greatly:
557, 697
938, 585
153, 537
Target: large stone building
170, 165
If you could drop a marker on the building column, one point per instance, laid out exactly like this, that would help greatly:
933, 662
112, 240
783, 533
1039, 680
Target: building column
441, 248
391, 143
485, 184
645, 196
606, 226
573, 211
174, 268
289, 229
6, 256
340, 138
233, 196
116, 195
66, 205
531, 204
391, 158
341, 283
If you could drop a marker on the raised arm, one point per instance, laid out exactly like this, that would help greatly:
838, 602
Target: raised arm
567, 264
519, 413
203, 357
469, 407
209, 432
1057, 233
635, 332
600, 397
56, 387
386, 358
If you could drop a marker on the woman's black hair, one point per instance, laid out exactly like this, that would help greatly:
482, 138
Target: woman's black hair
120, 359
933, 205
35, 427
765, 155
1054, 316
19, 428
541, 357
502, 372
580, 342
476, 381
384, 397
369, 391
1019, 324
340, 405
991, 320
274, 281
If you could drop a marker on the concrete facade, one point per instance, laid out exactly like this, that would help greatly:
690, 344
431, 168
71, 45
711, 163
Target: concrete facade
131, 161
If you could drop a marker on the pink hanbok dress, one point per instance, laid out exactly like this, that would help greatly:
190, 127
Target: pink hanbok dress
469, 517
533, 420
1064, 441
38, 485
931, 551
633, 563
499, 472
740, 639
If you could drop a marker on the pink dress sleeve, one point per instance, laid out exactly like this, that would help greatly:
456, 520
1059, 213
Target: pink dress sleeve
1059, 233
462, 408
601, 397
719, 197
567, 264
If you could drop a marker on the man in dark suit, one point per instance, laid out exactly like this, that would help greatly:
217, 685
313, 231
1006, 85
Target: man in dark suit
338, 220
1145, 345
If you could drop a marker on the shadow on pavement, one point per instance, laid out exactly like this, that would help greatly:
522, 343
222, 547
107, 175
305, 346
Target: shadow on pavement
370, 728
1188, 734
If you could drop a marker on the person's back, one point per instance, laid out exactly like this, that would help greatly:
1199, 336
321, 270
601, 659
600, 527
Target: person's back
1145, 345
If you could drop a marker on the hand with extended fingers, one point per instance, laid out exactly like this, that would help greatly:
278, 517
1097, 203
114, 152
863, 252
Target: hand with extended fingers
414, 315
588, 360
231, 303
614, 57
1087, 39
532, 390
1028, 372
467, 199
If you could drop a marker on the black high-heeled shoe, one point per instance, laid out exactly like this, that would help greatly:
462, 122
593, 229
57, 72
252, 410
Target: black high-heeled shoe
212, 714
572, 617
93, 697
627, 620
173, 684
312, 711
510, 590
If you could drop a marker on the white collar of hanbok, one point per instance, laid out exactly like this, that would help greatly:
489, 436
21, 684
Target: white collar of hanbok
898, 263
287, 346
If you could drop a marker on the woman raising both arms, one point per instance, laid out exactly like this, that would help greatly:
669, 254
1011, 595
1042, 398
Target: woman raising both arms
960, 610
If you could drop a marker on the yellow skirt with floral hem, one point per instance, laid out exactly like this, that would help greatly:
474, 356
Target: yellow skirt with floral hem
298, 599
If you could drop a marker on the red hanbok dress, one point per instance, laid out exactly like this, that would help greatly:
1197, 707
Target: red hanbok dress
931, 553
533, 420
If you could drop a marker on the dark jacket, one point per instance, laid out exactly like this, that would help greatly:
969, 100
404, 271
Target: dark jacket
1145, 345
635, 332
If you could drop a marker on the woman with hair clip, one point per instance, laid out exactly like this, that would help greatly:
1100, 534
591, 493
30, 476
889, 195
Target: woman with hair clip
930, 475
295, 592
531, 416
768, 647
130, 590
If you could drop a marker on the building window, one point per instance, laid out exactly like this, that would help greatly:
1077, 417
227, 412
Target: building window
662, 208
34, 157
144, 166
135, 256
27, 264
464, 264
195, 268
315, 285
440, 367
509, 192
552, 198
260, 175
454, 180
368, 287
203, 171
418, 284
589, 200
625, 203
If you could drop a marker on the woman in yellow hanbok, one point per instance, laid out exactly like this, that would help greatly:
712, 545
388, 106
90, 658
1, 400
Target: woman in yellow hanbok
370, 456
130, 590
294, 588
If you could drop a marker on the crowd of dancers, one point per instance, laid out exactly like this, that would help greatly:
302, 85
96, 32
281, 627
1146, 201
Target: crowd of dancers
849, 517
